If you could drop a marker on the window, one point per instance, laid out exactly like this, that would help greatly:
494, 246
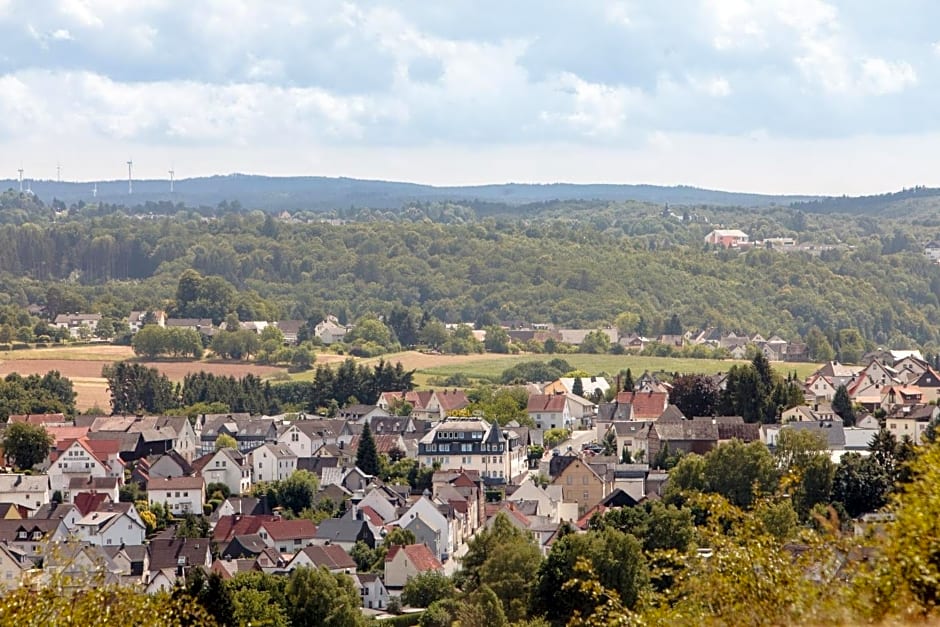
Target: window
177, 495
586, 495
570, 480
584, 479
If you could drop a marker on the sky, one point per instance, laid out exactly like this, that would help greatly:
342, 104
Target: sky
774, 96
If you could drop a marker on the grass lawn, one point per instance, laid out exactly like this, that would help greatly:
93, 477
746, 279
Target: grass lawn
90, 352
484, 366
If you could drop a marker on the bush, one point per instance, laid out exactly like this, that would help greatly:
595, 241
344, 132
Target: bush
5, 347
18, 346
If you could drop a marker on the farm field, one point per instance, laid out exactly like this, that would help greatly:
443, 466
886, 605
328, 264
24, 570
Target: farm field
83, 365
483, 366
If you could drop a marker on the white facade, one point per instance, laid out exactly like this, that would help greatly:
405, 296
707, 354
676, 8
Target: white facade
300, 443
224, 468
182, 495
112, 528
272, 462
75, 461
432, 517
30, 491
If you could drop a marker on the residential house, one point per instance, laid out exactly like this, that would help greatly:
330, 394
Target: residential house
821, 387
549, 411
913, 423
498, 454
169, 464
241, 505
727, 238
580, 483
181, 495
330, 331
344, 532
204, 326
404, 562
177, 556
929, 384
644, 405
304, 437
333, 557
31, 535
66, 512
689, 436
272, 462
249, 433
237, 525
287, 536
830, 430
137, 319
78, 323
243, 547
290, 329
79, 460
13, 565
160, 434
45, 420
632, 436
432, 515
29, 491
117, 524
78, 565
932, 251
133, 561
590, 385
103, 486
226, 466
901, 395
372, 590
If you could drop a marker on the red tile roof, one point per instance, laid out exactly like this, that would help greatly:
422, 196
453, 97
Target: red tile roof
280, 529
419, 555
37, 419
238, 525
383, 443
546, 402
646, 405
333, 556
452, 399
87, 502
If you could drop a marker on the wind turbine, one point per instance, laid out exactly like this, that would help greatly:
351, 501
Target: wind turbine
130, 178
171, 179
21, 179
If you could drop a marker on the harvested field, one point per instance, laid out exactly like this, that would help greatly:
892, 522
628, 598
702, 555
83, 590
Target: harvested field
91, 387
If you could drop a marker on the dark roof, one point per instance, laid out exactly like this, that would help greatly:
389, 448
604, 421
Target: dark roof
241, 546
686, 430
333, 556
619, 498
339, 530
831, 429
749, 432
166, 553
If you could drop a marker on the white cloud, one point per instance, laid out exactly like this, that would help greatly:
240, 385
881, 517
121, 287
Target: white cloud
61, 34
884, 77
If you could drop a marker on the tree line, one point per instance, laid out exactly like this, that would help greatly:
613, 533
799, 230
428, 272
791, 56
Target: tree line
135, 388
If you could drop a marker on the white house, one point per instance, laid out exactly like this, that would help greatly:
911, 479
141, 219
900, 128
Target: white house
305, 437
498, 454
330, 331
287, 536
115, 524
432, 516
77, 460
182, 495
404, 562
373, 592
226, 466
272, 462
76, 322
30, 491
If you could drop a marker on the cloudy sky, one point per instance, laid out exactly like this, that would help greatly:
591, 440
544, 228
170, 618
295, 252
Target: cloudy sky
797, 96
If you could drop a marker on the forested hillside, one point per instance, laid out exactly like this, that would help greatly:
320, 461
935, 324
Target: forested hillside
576, 264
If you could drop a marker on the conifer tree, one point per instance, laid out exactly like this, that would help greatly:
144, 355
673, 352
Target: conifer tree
367, 459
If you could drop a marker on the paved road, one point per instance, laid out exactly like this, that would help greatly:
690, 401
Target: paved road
577, 440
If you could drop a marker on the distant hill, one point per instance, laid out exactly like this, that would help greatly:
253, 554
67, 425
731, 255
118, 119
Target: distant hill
324, 194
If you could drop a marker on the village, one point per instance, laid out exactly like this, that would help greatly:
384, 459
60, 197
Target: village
68, 514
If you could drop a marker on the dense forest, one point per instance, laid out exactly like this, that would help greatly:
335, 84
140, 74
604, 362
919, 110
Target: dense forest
576, 264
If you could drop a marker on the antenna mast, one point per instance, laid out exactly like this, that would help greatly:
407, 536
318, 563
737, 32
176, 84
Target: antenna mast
172, 173
58, 172
94, 191
21, 179
130, 178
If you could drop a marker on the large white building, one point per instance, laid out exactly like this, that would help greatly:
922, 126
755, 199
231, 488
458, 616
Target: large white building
499, 454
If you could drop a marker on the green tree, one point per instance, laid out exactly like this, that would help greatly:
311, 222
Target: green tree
225, 441
505, 559
425, 588
695, 395
818, 345
842, 406
596, 342
497, 339
367, 457
615, 557
626, 323
740, 472
25, 445
298, 491
860, 484
315, 596
577, 387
